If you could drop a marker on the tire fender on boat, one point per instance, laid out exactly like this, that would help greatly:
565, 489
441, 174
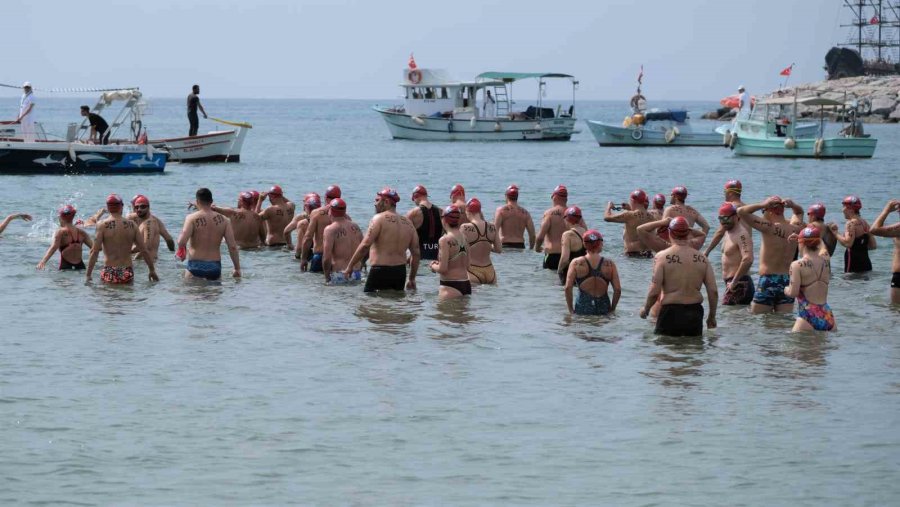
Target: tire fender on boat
734, 138
472, 122
819, 146
637, 134
671, 134
497, 126
726, 139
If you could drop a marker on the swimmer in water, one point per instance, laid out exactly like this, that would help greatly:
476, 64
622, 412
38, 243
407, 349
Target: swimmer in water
426, 218
856, 237
678, 273
150, 227
737, 257
815, 215
776, 252
276, 217
10, 218
890, 231
340, 239
482, 239
389, 238
655, 235
69, 240
572, 244
634, 215
248, 228
549, 238
593, 275
659, 204
733, 189
115, 236
512, 221
810, 276
458, 199
300, 222
679, 209
319, 219
205, 230
453, 258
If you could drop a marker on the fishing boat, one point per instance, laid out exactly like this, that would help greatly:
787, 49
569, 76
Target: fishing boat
769, 134
59, 157
438, 107
654, 127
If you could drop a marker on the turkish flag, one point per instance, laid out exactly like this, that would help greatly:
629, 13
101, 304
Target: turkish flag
786, 71
874, 20
412, 61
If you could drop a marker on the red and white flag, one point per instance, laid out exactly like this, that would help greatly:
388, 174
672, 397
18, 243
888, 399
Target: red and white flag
874, 20
412, 61
641, 75
787, 70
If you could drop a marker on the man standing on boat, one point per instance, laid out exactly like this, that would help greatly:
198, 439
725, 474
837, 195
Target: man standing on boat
490, 105
99, 128
193, 103
743, 103
26, 113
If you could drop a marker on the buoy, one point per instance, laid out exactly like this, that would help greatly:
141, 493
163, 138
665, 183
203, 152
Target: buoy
472, 122
726, 139
149, 152
670, 135
789, 143
626, 122
677, 132
818, 147
734, 138
497, 126
418, 120
637, 134
72, 152
537, 126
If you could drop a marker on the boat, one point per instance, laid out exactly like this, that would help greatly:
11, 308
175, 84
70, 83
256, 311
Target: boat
438, 107
59, 157
654, 127
769, 134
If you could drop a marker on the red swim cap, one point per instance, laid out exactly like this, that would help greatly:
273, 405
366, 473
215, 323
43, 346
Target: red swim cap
113, 201
680, 191
817, 210
679, 228
338, 207
389, 193
140, 199
591, 236
255, 195
419, 191
67, 211
333, 192
573, 214
640, 196
135, 198
247, 198
659, 200
727, 209
852, 202
512, 191
777, 206
457, 190
276, 191
733, 186
312, 202
561, 191
452, 215
473, 206
810, 235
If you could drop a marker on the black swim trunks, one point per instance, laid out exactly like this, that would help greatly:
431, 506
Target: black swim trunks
386, 278
645, 254
895, 281
513, 245
680, 320
65, 265
463, 286
551, 261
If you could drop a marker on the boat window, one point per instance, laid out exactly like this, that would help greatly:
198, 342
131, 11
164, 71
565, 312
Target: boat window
443, 93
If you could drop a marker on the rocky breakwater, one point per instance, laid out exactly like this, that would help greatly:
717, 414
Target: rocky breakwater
878, 98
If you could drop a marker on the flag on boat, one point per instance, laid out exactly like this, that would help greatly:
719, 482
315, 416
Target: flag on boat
874, 20
412, 61
787, 70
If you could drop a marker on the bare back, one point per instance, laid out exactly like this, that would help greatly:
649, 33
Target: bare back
248, 228
340, 240
391, 236
554, 226
512, 220
205, 230
481, 237
116, 236
277, 217
681, 271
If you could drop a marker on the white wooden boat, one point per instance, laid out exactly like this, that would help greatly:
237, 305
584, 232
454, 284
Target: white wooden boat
439, 108
654, 128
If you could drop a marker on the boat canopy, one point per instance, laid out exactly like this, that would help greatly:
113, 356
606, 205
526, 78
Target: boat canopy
509, 77
127, 94
806, 101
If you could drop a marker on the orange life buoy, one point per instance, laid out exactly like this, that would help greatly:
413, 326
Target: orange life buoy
414, 76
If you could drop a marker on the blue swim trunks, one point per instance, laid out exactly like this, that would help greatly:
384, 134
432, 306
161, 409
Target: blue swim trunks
209, 270
770, 290
338, 278
315, 263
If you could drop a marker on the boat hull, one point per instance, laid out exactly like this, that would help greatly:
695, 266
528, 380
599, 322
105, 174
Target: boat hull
612, 135
838, 147
74, 158
220, 146
404, 126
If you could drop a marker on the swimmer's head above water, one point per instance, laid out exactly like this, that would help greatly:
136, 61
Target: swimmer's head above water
512, 192
452, 216
114, 203
679, 228
593, 240
338, 208
573, 214
332, 192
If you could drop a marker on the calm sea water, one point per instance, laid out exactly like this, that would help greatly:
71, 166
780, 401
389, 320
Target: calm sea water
275, 389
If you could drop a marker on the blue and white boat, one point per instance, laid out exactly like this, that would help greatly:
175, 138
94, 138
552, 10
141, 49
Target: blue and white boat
60, 157
769, 134
654, 127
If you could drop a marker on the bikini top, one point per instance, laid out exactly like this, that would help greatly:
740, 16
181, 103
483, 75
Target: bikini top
75, 239
593, 272
481, 238
461, 252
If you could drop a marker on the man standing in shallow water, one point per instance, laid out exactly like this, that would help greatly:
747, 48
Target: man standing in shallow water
150, 227
115, 236
340, 239
633, 217
205, 229
277, 216
553, 225
737, 257
512, 221
248, 228
388, 239
890, 231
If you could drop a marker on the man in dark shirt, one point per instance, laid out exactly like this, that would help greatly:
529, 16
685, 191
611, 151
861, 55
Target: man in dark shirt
193, 102
99, 128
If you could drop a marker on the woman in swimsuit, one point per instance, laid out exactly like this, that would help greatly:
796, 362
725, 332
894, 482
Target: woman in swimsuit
483, 239
453, 258
856, 238
810, 276
572, 246
69, 241
593, 275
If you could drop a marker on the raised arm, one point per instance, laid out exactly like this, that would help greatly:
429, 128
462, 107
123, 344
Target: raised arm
12, 217
50, 251
849, 235
796, 212
93, 219
609, 216
887, 231
747, 214
714, 242
648, 236
228, 212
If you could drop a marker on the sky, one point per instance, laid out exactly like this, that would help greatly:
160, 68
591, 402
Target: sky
690, 49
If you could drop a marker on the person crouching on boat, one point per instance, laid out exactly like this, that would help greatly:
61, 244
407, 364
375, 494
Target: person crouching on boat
69, 241
99, 128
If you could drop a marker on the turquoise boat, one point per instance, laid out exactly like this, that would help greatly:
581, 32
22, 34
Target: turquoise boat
770, 132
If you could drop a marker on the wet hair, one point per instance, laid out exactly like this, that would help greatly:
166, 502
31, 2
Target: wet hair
204, 195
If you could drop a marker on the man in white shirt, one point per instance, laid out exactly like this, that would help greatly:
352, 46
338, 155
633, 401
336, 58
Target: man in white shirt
743, 103
26, 113
490, 105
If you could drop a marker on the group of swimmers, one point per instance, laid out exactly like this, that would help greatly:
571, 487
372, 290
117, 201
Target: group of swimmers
459, 243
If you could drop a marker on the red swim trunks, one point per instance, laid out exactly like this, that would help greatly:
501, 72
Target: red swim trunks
117, 275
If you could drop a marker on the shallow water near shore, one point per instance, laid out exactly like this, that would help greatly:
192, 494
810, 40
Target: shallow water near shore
274, 389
